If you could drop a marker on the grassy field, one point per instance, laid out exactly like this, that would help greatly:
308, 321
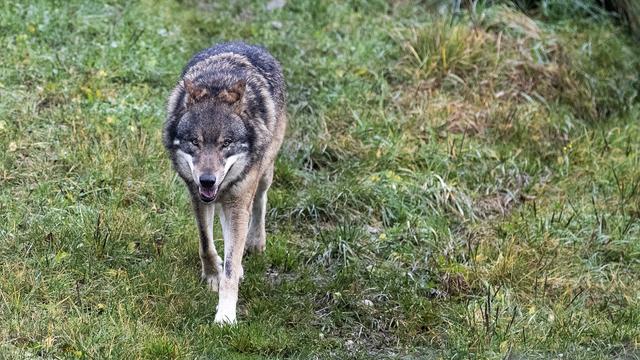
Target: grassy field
450, 187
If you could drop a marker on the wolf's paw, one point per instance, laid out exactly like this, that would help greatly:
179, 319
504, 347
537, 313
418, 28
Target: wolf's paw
211, 270
225, 318
211, 280
256, 247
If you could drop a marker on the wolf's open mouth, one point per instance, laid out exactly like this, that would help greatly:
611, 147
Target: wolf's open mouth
208, 194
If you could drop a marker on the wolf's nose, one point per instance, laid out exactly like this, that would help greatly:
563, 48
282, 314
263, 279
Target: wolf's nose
207, 181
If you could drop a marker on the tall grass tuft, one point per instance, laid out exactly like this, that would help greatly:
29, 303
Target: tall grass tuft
630, 11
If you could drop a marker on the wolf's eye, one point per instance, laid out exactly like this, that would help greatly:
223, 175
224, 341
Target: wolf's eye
226, 143
195, 142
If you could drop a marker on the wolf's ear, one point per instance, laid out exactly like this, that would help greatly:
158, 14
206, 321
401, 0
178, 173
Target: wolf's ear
195, 93
234, 93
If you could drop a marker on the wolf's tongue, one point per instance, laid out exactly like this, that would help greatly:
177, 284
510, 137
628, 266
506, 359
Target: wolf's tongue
208, 192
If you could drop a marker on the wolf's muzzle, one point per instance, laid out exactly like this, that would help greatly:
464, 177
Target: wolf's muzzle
208, 188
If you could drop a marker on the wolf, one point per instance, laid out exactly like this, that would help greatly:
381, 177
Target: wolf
226, 120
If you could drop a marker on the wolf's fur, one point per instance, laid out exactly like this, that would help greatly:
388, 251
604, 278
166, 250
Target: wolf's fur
226, 122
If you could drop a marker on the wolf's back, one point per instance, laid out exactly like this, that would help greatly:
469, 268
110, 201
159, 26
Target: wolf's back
262, 61
222, 65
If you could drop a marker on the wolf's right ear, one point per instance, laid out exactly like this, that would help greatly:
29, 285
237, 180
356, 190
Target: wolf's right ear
234, 93
195, 93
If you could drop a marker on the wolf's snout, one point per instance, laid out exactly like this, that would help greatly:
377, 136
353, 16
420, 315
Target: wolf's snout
207, 181
208, 188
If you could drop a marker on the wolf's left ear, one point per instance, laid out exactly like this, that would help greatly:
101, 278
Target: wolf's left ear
234, 93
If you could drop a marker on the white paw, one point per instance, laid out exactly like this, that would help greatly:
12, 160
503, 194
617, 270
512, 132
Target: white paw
211, 280
218, 265
225, 318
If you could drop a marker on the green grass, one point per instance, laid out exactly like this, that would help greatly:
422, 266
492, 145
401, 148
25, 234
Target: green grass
449, 188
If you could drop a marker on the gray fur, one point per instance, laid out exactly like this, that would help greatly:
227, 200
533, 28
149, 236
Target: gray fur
225, 125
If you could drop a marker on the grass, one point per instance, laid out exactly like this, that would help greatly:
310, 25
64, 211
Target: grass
463, 187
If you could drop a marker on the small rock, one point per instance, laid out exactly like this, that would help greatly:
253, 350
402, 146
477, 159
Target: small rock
437, 294
276, 4
372, 230
367, 302
276, 24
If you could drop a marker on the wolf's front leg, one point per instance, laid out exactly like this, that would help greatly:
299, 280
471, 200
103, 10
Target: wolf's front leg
211, 262
235, 222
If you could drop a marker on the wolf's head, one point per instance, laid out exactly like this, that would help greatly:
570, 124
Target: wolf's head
212, 141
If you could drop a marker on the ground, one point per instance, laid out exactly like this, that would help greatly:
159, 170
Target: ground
454, 187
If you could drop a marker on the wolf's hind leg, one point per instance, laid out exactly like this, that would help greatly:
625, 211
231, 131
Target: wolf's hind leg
257, 237
211, 262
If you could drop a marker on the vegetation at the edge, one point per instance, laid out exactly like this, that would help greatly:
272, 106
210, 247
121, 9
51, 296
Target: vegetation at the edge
454, 184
